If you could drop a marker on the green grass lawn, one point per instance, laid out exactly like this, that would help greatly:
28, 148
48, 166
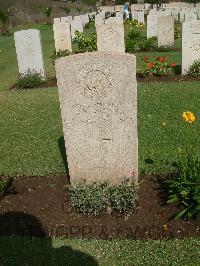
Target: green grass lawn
36, 251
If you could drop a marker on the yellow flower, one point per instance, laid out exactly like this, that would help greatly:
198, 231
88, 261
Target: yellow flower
165, 227
189, 117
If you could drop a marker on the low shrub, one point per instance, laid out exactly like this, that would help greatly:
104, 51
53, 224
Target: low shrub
194, 69
85, 43
184, 188
157, 67
59, 54
177, 33
135, 42
29, 80
4, 185
96, 197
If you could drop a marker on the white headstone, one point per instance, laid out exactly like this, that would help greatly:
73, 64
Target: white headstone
151, 26
98, 101
29, 52
62, 36
165, 31
190, 44
76, 25
110, 37
140, 17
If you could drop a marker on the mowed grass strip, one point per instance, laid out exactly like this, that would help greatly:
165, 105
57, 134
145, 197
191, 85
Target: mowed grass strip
47, 251
31, 128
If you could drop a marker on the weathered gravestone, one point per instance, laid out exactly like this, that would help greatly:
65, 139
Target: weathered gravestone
29, 52
165, 31
110, 37
190, 44
98, 101
99, 19
76, 25
62, 36
140, 17
151, 26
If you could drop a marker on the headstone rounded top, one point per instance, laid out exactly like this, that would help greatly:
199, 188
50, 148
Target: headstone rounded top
95, 54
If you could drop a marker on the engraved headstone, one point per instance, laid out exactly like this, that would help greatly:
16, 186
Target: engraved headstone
98, 101
165, 31
190, 44
110, 37
140, 17
29, 52
99, 19
62, 36
76, 25
151, 26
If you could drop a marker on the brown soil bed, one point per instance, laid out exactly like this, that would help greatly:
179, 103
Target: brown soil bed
38, 206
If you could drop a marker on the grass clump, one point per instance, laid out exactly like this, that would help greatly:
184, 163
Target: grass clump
96, 197
29, 80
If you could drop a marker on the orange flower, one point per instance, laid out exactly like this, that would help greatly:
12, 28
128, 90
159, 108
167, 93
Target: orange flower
146, 59
189, 117
173, 64
150, 65
161, 59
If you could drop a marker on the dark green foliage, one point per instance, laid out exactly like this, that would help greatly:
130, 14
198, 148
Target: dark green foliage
184, 188
95, 197
194, 69
29, 80
135, 42
4, 185
85, 43
59, 54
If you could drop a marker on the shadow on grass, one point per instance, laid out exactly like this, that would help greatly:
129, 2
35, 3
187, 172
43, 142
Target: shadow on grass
26, 244
61, 145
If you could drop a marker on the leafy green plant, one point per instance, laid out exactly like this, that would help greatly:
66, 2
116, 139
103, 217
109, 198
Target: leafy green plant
194, 69
4, 19
85, 43
135, 42
157, 67
96, 197
4, 185
177, 33
184, 188
59, 54
29, 80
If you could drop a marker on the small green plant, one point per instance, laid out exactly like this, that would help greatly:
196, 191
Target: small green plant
135, 42
157, 67
4, 185
59, 54
184, 189
96, 197
177, 33
29, 80
85, 43
194, 69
